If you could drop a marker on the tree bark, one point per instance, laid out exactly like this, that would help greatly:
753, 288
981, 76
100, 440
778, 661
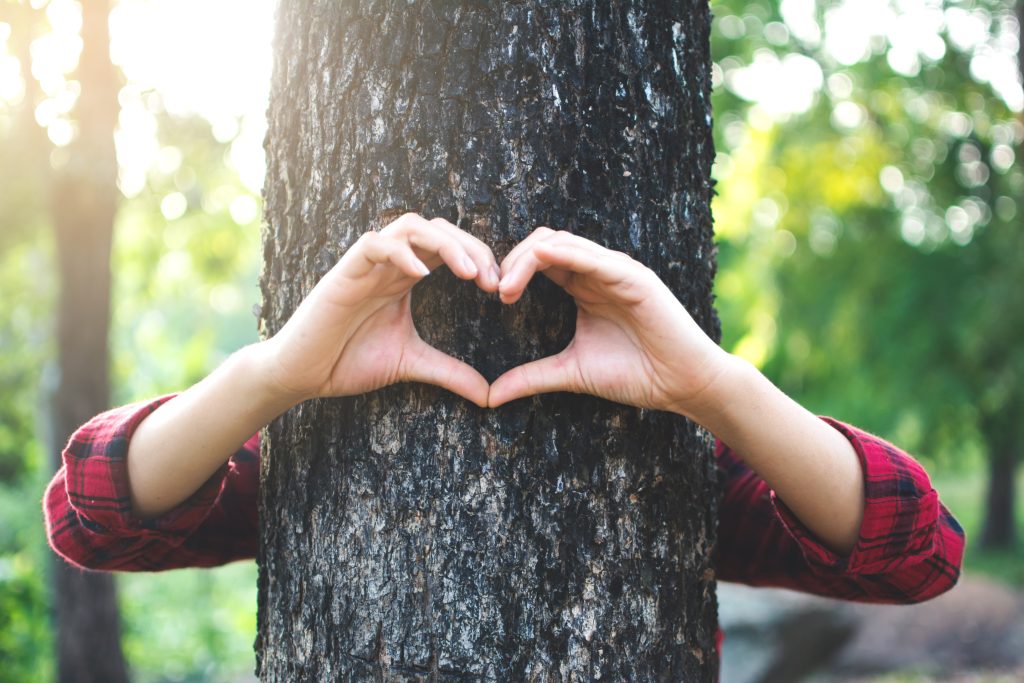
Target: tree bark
406, 534
84, 202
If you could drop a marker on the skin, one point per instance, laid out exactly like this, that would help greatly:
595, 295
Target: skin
635, 344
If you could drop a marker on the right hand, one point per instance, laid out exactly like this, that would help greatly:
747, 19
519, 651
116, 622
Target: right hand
354, 332
635, 343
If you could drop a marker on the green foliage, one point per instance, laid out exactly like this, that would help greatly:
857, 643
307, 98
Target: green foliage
26, 641
869, 255
190, 625
186, 258
26, 344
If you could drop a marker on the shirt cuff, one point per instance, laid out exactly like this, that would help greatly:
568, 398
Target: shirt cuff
96, 474
901, 511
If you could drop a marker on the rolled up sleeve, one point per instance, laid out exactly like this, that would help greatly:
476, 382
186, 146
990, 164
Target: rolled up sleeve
909, 547
87, 505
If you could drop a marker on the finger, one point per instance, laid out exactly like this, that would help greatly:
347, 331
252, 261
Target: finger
431, 240
424, 363
554, 373
488, 274
518, 269
372, 249
511, 257
521, 264
563, 254
572, 255
517, 272
513, 284
607, 275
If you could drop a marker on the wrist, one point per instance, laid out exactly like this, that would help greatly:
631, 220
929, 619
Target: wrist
272, 389
732, 382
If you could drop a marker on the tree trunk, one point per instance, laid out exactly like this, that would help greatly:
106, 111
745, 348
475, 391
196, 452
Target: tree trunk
84, 203
406, 534
1000, 526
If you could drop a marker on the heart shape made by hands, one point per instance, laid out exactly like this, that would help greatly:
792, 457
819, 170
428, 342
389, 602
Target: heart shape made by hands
632, 342
627, 338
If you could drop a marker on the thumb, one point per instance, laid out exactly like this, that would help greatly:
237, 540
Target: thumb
426, 364
554, 373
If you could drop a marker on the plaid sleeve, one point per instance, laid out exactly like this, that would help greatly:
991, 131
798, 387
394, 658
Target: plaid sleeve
88, 514
909, 549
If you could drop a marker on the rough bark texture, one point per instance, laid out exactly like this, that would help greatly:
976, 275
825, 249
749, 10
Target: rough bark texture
84, 203
406, 534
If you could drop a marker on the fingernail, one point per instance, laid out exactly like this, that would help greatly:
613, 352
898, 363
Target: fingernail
468, 264
495, 275
422, 267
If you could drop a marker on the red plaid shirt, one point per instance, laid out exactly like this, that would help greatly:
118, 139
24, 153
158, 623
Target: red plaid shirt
910, 546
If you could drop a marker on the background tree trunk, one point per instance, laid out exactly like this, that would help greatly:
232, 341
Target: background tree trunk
84, 200
999, 529
406, 534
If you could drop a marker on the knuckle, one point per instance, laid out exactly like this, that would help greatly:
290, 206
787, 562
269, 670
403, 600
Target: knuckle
477, 248
473, 240
403, 223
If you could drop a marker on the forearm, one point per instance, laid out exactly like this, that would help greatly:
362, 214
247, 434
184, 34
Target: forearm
809, 465
178, 447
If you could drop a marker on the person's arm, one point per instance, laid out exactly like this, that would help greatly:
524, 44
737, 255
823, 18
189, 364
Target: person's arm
353, 333
636, 344
182, 443
807, 462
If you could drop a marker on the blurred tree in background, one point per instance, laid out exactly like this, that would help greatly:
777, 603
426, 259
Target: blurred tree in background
868, 221
185, 281
82, 197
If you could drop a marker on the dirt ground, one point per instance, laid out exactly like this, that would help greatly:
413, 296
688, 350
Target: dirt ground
973, 634
977, 677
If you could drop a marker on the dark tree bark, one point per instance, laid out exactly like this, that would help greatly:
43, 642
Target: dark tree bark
84, 197
406, 534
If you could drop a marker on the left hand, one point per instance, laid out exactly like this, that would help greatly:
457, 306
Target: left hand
354, 332
635, 343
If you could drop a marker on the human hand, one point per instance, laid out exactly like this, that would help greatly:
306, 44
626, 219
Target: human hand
354, 332
635, 343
